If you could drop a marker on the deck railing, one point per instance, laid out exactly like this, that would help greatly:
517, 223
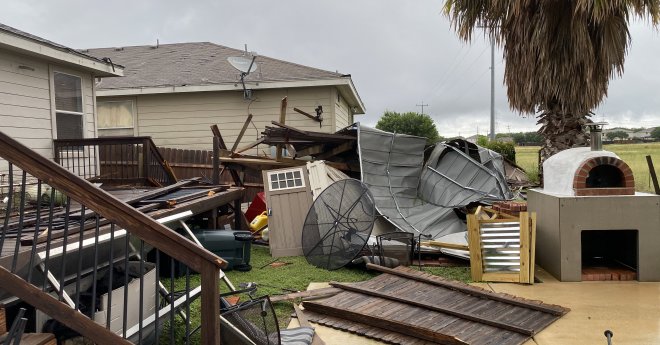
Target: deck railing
95, 264
115, 160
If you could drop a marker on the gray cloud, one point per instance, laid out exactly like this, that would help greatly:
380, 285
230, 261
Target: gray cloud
400, 53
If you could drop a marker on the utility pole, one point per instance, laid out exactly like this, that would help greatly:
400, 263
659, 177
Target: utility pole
492, 88
422, 105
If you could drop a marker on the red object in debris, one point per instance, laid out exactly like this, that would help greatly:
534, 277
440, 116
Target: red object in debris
257, 206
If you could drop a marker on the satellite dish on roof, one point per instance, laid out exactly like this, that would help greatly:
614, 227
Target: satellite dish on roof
246, 66
243, 64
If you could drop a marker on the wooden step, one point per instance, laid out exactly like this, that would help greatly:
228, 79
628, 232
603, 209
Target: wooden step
36, 339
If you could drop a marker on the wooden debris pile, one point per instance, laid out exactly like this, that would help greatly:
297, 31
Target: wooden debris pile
405, 306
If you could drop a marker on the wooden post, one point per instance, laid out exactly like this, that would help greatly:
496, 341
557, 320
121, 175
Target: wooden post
216, 160
654, 177
283, 105
145, 160
210, 311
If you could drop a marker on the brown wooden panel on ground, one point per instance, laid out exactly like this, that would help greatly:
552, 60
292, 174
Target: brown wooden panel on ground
430, 308
471, 290
395, 325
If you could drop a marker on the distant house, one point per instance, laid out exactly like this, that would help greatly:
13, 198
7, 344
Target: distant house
47, 90
174, 92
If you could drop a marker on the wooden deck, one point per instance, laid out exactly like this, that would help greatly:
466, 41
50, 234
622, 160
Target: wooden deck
189, 197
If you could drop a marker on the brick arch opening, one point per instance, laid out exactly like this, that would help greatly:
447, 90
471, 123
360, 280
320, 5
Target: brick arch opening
604, 176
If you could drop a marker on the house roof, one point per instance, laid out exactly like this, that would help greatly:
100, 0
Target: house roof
21, 41
203, 66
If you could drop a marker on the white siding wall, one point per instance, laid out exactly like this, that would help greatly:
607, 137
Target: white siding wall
183, 120
27, 104
342, 113
25, 101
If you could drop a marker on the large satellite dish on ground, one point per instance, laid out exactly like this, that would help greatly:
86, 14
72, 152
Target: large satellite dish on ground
245, 65
338, 224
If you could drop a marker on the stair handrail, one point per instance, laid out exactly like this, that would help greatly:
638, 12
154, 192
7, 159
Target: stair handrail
207, 264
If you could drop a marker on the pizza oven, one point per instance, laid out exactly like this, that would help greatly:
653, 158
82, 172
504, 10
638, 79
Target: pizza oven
591, 224
588, 171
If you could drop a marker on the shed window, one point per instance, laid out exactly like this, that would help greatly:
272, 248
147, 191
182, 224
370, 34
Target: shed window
116, 117
286, 179
69, 112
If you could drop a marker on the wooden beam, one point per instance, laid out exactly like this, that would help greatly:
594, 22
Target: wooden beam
234, 175
446, 245
403, 327
58, 310
250, 145
242, 132
210, 310
307, 114
474, 291
310, 151
283, 105
316, 293
654, 177
449, 311
347, 146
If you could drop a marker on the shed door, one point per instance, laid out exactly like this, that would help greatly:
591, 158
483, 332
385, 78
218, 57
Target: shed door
288, 198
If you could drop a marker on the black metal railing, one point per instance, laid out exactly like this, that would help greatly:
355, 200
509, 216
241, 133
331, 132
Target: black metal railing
114, 160
92, 265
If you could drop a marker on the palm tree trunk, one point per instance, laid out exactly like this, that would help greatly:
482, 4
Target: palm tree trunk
561, 130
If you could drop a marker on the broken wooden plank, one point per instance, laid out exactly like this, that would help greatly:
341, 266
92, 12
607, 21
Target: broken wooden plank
450, 311
282, 121
250, 145
242, 132
445, 245
307, 114
397, 326
309, 294
471, 290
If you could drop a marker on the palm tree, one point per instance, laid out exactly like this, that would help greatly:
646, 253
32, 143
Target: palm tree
559, 55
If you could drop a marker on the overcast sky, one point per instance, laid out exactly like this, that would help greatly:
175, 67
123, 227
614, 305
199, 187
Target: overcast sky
400, 53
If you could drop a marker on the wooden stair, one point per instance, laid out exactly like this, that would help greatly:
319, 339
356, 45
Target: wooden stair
28, 338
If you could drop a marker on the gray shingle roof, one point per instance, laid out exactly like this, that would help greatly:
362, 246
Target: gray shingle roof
23, 34
201, 63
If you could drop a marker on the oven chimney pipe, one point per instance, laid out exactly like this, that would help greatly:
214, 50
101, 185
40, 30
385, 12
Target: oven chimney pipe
596, 131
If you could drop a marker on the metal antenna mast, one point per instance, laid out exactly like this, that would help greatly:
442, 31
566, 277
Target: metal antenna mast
422, 105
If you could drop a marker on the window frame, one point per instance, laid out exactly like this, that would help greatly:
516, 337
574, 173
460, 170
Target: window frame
55, 111
293, 171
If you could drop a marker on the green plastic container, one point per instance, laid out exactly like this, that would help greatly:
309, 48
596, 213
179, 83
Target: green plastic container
231, 245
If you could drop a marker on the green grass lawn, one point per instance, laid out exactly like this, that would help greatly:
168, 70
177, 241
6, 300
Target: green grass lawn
278, 280
633, 154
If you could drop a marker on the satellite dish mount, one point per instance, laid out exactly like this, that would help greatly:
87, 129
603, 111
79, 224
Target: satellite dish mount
246, 66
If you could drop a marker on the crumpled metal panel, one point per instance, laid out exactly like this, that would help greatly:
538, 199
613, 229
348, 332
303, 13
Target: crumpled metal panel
420, 197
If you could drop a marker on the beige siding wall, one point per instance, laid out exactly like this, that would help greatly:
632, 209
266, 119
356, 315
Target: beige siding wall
26, 101
341, 110
183, 120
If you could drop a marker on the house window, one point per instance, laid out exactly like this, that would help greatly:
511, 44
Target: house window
116, 118
69, 113
286, 179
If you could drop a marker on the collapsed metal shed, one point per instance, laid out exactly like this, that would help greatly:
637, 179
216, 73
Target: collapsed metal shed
420, 196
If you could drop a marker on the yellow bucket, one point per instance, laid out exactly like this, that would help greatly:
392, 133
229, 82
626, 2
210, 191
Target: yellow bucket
259, 222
